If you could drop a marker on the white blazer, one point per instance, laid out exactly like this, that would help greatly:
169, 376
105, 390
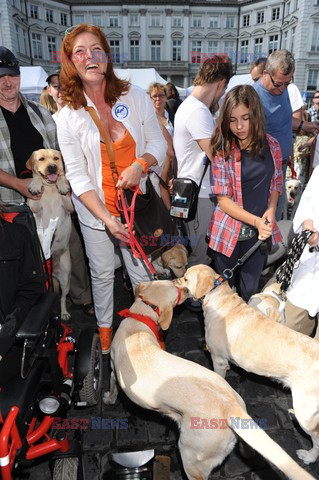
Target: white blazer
79, 140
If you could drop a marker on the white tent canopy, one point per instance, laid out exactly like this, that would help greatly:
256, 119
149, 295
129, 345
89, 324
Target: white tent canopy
142, 77
33, 79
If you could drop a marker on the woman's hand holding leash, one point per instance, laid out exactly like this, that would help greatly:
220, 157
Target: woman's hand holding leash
264, 228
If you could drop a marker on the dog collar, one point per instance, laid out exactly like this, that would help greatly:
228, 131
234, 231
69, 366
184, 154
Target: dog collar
153, 307
148, 321
179, 295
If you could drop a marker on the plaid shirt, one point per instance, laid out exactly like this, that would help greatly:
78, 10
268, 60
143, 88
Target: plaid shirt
313, 113
46, 127
226, 180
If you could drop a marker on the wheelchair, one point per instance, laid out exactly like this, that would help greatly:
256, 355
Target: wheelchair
57, 370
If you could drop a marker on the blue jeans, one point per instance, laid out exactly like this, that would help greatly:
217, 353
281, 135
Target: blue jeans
281, 199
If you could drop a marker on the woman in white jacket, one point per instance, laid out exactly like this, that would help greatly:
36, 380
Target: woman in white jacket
128, 118
302, 304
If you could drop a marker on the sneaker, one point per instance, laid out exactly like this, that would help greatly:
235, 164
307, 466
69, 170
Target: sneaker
105, 338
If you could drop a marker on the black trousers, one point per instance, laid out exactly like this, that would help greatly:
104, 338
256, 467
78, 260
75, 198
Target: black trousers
246, 277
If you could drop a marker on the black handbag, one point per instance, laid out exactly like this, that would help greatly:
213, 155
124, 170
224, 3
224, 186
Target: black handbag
153, 225
185, 197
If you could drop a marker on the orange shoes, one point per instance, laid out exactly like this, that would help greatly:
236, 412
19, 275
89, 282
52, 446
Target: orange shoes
105, 338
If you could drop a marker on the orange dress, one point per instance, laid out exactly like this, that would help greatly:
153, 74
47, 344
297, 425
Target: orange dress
124, 155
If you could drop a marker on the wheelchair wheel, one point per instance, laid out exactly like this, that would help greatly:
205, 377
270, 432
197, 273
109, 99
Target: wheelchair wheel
92, 383
66, 468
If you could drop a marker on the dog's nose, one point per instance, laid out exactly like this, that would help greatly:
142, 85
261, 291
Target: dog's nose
52, 168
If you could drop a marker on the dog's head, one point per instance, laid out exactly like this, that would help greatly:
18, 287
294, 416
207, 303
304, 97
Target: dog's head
47, 164
198, 279
164, 295
176, 259
293, 188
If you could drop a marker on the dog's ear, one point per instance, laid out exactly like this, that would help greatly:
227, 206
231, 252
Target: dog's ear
30, 162
139, 289
165, 318
205, 283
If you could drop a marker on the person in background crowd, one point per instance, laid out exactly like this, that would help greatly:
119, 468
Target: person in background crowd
157, 94
193, 128
89, 86
302, 305
272, 90
173, 100
47, 101
314, 109
257, 68
21, 285
246, 177
80, 288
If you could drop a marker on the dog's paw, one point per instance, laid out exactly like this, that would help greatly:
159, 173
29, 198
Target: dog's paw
63, 186
307, 456
35, 186
109, 399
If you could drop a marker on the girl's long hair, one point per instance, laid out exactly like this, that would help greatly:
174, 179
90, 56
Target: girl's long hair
222, 138
70, 83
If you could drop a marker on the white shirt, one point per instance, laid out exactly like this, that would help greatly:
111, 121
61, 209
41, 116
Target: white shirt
304, 289
79, 140
193, 121
295, 97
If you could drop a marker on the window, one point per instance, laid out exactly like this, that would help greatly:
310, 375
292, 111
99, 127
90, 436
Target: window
49, 15
258, 47
97, 20
275, 13
177, 21
36, 45
214, 22
51, 46
18, 38
287, 8
133, 20
243, 51
156, 50
135, 50
155, 20
114, 21
196, 51
285, 40
116, 52
246, 20
230, 22
312, 81
273, 44
292, 40
212, 48
260, 17
315, 38
197, 21
63, 19
230, 50
177, 50
25, 48
78, 19
34, 11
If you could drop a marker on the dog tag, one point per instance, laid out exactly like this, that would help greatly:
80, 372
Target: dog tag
121, 112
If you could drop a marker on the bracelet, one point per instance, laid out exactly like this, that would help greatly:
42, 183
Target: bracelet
300, 126
138, 166
143, 164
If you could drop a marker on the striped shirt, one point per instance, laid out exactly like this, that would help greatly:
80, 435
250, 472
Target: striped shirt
47, 129
226, 180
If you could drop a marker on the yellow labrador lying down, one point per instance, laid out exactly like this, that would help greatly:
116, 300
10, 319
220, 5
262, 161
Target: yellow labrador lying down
184, 391
240, 334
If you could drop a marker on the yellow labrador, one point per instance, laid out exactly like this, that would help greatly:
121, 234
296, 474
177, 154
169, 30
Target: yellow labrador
48, 178
206, 409
175, 259
236, 332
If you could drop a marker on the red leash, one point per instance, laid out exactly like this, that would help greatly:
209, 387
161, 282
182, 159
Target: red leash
129, 214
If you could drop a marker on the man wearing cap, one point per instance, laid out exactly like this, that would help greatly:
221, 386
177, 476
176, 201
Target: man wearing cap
24, 127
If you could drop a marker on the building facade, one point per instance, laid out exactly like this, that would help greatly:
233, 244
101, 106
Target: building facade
171, 36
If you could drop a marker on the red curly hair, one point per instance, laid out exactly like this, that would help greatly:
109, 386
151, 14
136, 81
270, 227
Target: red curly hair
70, 82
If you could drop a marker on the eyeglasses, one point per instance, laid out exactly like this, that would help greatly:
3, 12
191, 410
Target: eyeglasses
70, 29
155, 97
9, 63
280, 84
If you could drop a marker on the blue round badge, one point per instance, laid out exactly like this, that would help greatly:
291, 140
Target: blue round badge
121, 112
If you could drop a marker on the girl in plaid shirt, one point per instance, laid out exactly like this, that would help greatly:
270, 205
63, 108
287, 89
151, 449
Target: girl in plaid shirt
246, 177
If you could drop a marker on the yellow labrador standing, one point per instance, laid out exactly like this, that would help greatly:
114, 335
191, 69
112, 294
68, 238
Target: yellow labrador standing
48, 177
240, 334
202, 403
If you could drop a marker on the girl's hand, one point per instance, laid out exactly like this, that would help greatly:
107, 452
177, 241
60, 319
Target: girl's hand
264, 229
314, 239
118, 230
130, 177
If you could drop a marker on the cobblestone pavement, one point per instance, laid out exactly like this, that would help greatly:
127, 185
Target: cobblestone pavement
264, 400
